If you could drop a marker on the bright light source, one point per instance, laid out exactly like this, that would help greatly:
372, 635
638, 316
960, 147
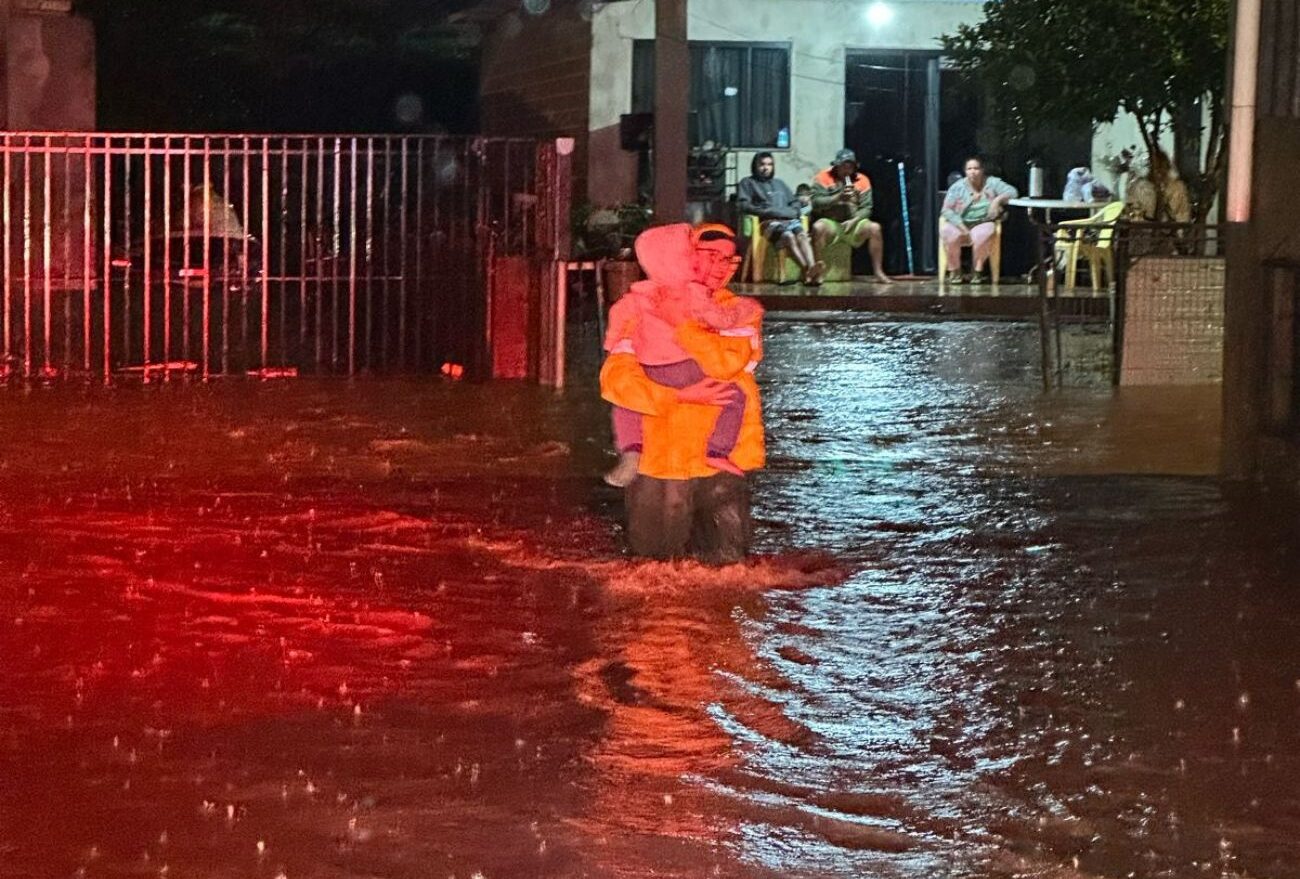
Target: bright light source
879, 14
730, 91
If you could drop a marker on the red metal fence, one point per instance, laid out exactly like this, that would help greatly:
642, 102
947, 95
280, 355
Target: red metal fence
180, 254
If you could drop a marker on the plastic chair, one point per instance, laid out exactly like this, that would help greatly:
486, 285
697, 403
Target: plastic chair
838, 258
995, 255
763, 262
1094, 238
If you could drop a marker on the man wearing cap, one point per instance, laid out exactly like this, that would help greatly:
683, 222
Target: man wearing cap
841, 208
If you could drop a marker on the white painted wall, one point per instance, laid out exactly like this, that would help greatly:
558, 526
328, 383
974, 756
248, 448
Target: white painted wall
1108, 139
1123, 133
819, 31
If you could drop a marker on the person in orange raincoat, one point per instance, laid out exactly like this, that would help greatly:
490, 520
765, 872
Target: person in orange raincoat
680, 504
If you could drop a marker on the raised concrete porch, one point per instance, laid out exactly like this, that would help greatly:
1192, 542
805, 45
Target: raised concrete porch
1011, 299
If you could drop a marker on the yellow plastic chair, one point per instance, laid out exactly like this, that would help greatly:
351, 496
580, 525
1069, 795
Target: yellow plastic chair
838, 259
995, 255
764, 263
1093, 238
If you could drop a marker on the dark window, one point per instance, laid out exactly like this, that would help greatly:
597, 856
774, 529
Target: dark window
740, 92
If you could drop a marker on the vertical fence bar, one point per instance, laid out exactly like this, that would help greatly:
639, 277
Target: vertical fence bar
147, 274
205, 319
352, 259
284, 245
423, 302
225, 262
245, 266
302, 249
402, 270
320, 250
108, 261
126, 244
335, 280
385, 233
187, 260
167, 240
66, 289
265, 266
27, 258
7, 258
87, 190
369, 251
47, 291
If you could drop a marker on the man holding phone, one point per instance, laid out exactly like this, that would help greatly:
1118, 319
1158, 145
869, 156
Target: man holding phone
841, 208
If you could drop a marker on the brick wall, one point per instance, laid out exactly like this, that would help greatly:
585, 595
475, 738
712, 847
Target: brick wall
535, 80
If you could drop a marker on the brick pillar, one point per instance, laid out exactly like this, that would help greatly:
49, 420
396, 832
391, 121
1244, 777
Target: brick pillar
48, 74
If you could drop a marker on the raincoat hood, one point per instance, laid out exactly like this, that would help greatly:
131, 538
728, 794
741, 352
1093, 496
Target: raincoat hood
667, 254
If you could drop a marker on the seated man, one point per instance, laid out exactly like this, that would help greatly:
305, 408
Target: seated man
779, 211
841, 208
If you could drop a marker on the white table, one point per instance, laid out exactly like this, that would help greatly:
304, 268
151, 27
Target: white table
1047, 205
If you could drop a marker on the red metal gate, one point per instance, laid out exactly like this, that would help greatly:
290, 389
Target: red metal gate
163, 255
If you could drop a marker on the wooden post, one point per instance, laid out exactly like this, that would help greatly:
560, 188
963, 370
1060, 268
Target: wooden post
1246, 314
672, 90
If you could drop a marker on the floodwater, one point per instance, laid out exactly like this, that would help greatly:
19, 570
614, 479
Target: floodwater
384, 629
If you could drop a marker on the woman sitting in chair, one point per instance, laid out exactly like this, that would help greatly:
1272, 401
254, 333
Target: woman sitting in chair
971, 210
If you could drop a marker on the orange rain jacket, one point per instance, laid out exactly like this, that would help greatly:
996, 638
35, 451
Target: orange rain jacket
676, 434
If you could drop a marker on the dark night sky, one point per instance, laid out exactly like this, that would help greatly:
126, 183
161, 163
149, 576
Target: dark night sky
284, 65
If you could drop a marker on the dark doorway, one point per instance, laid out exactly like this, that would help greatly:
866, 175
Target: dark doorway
892, 121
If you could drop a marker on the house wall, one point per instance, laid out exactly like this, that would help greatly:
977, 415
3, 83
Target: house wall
1261, 361
819, 31
1122, 133
534, 77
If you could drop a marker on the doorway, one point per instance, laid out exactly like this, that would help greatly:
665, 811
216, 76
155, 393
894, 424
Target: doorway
899, 125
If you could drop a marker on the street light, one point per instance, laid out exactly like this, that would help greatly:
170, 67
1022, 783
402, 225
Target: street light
879, 14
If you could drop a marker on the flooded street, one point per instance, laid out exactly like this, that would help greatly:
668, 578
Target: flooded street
385, 629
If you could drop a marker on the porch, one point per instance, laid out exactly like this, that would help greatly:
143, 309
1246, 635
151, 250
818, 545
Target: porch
1011, 299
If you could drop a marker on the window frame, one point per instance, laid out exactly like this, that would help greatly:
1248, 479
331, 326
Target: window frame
748, 85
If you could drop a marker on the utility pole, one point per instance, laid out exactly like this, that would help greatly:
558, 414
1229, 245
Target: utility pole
4, 65
672, 94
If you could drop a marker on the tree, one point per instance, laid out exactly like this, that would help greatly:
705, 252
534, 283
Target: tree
1071, 62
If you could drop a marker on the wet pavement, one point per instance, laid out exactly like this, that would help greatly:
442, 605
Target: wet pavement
384, 628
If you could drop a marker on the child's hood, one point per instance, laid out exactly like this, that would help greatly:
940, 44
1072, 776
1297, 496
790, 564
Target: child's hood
667, 254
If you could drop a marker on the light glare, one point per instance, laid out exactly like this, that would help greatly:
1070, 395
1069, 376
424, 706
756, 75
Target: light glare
879, 14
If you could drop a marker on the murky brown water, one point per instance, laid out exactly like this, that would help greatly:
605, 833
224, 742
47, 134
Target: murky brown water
384, 629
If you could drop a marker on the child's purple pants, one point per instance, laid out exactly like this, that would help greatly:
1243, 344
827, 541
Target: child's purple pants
683, 374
